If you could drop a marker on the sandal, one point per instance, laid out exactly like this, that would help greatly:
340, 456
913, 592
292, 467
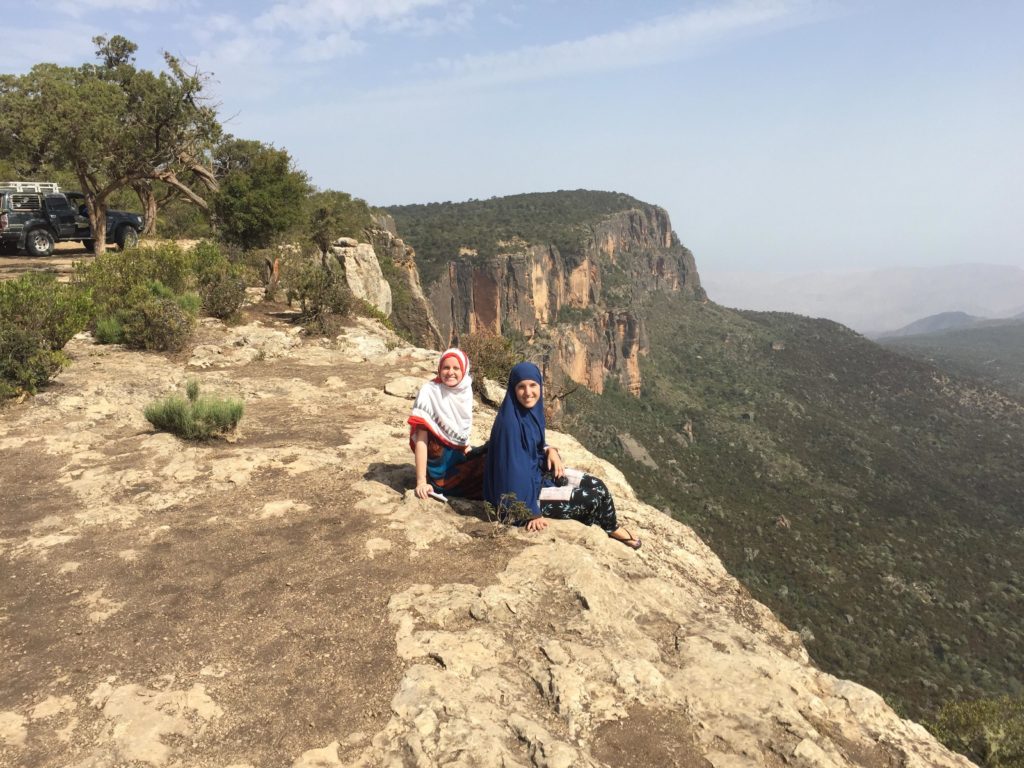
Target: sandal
631, 541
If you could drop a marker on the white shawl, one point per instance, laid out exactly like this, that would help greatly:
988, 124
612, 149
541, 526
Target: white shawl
446, 411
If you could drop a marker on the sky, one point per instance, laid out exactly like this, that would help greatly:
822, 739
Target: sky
780, 135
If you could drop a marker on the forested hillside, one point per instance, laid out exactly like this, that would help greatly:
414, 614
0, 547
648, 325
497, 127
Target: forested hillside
989, 351
870, 500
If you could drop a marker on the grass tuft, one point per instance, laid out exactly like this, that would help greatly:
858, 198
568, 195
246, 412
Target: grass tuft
195, 417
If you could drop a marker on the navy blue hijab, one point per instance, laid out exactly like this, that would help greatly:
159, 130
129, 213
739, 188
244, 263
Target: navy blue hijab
515, 453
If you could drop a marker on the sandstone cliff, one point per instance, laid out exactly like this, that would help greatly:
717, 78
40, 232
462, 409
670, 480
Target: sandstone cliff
586, 304
285, 600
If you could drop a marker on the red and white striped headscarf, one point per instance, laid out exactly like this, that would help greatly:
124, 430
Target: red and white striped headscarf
446, 411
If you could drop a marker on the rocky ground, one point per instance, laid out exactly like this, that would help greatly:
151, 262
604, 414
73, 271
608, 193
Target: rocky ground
285, 600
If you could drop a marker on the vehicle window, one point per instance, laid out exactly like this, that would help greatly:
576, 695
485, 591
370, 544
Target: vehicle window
26, 203
57, 202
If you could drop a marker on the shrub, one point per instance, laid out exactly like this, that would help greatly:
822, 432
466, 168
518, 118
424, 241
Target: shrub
989, 731
38, 316
510, 511
323, 295
159, 322
220, 281
150, 317
364, 308
143, 298
490, 356
113, 275
332, 214
108, 330
223, 295
575, 315
194, 417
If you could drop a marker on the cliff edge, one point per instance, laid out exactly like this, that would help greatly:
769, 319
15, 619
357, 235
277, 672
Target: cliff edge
285, 600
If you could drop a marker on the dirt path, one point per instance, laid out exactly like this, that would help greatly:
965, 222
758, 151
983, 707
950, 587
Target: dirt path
60, 263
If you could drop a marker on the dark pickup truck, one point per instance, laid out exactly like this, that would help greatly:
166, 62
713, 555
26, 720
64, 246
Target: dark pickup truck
36, 215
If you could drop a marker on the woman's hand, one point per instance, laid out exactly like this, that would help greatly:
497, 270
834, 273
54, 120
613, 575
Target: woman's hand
555, 464
537, 524
423, 490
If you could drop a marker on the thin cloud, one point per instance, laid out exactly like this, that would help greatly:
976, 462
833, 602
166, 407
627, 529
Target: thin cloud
80, 8
667, 38
341, 14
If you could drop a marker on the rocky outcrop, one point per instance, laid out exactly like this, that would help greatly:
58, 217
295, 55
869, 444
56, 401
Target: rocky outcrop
287, 600
363, 273
411, 313
586, 306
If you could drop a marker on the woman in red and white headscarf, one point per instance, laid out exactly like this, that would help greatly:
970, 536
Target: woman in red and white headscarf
439, 428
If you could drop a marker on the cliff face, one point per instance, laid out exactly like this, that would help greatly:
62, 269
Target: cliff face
410, 311
584, 305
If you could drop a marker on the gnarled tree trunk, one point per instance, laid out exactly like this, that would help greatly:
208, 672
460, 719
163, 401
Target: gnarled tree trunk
147, 198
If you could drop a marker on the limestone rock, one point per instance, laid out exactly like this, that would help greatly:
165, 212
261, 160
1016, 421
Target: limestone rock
493, 392
319, 758
363, 275
12, 729
406, 386
411, 313
144, 719
635, 451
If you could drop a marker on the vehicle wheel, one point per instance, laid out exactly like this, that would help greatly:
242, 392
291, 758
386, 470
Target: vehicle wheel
127, 237
39, 242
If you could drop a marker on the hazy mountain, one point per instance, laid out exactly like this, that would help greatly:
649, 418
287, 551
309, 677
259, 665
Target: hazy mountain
944, 321
877, 301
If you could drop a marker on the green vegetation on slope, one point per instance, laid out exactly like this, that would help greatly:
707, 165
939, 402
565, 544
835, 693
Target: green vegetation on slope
990, 352
563, 219
873, 505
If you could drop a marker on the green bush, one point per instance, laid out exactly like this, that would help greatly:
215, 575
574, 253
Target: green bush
38, 316
989, 731
223, 295
575, 315
323, 295
332, 214
490, 356
363, 308
143, 299
158, 322
219, 280
108, 330
194, 417
112, 276
150, 317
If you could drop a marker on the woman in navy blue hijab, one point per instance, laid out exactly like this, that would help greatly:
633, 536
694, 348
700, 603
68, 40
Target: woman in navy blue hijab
522, 467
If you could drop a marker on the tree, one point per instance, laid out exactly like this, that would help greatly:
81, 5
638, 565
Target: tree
262, 194
112, 125
335, 214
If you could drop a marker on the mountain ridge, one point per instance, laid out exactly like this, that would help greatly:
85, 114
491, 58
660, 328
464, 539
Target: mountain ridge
876, 301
